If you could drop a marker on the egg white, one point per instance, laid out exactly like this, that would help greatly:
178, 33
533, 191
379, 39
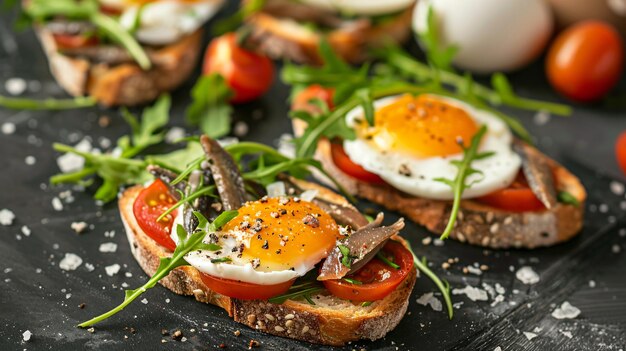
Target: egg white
362, 7
239, 269
499, 170
167, 21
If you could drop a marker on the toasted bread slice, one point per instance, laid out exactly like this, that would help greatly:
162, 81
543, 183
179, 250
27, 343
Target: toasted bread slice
331, 321
477, 223
123, 84
280, 32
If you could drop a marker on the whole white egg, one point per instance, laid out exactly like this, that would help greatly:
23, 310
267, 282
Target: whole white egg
492, 35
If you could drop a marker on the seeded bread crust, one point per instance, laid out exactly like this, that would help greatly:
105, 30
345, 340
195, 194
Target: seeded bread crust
331, 321
476, 224
125, 84
285, 38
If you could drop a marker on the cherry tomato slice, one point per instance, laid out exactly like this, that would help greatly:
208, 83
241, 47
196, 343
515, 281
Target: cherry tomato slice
347, 166
302, 101
620, 151
247, 73
66, 41
377, 279
149, 205
518, 197
585, 61
242, 290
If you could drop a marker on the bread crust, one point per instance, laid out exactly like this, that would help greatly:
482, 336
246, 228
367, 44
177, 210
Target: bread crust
477, 223
125, 84
285, 38
292, 319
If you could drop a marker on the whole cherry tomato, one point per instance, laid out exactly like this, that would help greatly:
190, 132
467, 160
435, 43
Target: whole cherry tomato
249, 74
585, 61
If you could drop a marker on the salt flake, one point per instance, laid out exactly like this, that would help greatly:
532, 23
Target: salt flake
108, 247
566, 311
474, 294
70, 262
527, 275
112, 269
6, 217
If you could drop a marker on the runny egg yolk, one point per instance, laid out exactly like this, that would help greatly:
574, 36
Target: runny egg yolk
421, 126
283, 233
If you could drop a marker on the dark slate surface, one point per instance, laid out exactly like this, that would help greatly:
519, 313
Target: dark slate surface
36, 295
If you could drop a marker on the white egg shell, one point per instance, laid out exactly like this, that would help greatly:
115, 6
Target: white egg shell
362, 7
492, 35
498, 171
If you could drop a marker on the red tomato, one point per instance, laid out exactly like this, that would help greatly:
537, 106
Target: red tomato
243, 290
518, 197
377, 278
620, 151
66, 41
247, 73
302, 101
149, 205
585, 61
345, 164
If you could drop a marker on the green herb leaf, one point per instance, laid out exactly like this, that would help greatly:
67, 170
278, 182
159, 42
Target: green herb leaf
366, 303
166, 265
365, 99
231, 23
441, 57
443, 286
46, 104
221, 260
567, 198
387, 261
459, 184
114, 30
346, 257
295, 293
412, 69
210, 108
202, 191
352, 281
145, 133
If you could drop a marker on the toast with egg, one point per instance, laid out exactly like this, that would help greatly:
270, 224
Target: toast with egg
292, 30
122, 83
477, 223
331, 321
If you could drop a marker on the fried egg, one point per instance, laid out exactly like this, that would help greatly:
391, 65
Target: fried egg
362, 7
414, 138
271, 241
164, 21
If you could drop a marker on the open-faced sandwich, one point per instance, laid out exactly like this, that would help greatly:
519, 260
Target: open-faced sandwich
121, 52
445, 161
292, 259
293, 29
515, 196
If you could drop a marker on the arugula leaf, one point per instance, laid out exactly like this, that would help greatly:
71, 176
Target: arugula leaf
300, 291
441, 57
231, 23
210, 108
346, 256
443, 286
567, 198
46, 104
387, 261
116, 171
167, 264
410, 68
41, 10
145, 133
459, 184
353, 281
208, 190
